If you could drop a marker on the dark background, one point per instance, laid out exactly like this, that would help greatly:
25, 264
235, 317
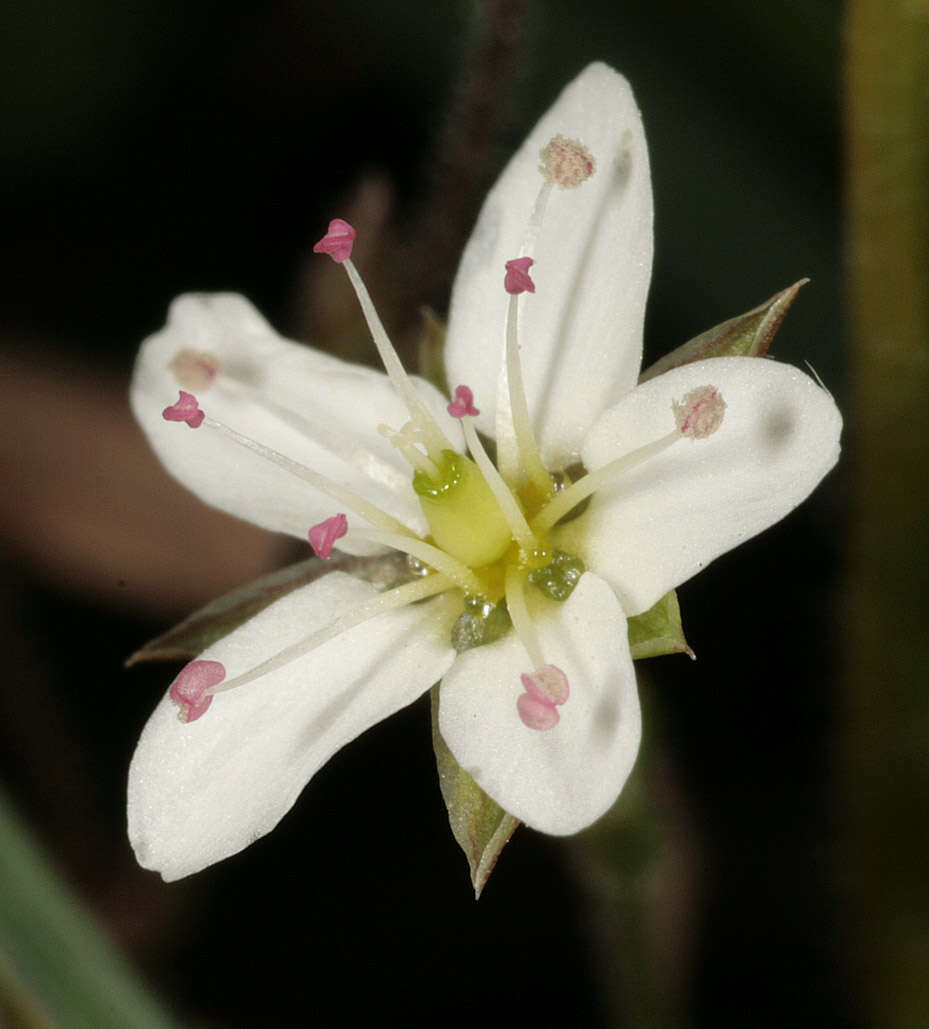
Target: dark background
149, 149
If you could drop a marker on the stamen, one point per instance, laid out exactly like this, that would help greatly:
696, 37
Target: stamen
517, 279
324, 535
194, 369
536, 714
433, 436
697, 415
546, 689
405, 441
430, 555
529, 455
569, 498
520, 617
463, 404
343, 496
700, 412
548, 684
389, 600
534, 224
338, 241
566, 162
186, 409
510, 509
189, 690
318, 427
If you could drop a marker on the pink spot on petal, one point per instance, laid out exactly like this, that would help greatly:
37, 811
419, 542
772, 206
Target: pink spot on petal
517, 276
337, 242
463, 403
324, 535
536, 714
189, 691
186, 409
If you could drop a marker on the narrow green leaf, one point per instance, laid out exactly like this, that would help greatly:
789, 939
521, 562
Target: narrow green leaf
481, 827
431, 350
57, 967
218, 618
658, 630
746, 335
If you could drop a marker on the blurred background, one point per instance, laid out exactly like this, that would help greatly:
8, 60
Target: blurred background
148, 149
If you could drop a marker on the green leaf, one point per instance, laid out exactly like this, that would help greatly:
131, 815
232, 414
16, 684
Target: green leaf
57, 967
218, 618
658, 630
431, 350
481, 827
746, 335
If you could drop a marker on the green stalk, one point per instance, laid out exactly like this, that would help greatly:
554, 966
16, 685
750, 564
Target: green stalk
886, 747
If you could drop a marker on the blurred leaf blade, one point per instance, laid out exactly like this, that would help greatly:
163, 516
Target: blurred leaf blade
57, 967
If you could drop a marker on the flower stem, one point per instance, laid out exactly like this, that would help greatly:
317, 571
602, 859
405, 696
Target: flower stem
886, 761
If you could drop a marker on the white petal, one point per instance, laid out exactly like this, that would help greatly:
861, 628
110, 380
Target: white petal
309, 406
581, 331
560, 780
665, 520
205, 790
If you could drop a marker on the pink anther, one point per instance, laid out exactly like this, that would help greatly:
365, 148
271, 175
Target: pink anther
324, 535
185, 410
194, 369
535, 714
700, 412
546, 689
189, 691
517, 276
463, 403
337, 242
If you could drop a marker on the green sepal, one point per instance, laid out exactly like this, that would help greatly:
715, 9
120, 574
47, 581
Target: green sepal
218, 618
481, 827
746, 335
658, 630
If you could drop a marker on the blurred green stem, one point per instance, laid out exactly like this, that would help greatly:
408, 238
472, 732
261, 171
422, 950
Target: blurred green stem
57, 966
635, 871
886, 748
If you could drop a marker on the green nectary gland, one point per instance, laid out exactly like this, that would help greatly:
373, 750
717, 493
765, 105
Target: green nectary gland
479, 624
482, 622
464, 519
559, 577
562, 479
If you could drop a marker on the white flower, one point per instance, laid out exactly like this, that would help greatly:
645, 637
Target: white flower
674, 472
